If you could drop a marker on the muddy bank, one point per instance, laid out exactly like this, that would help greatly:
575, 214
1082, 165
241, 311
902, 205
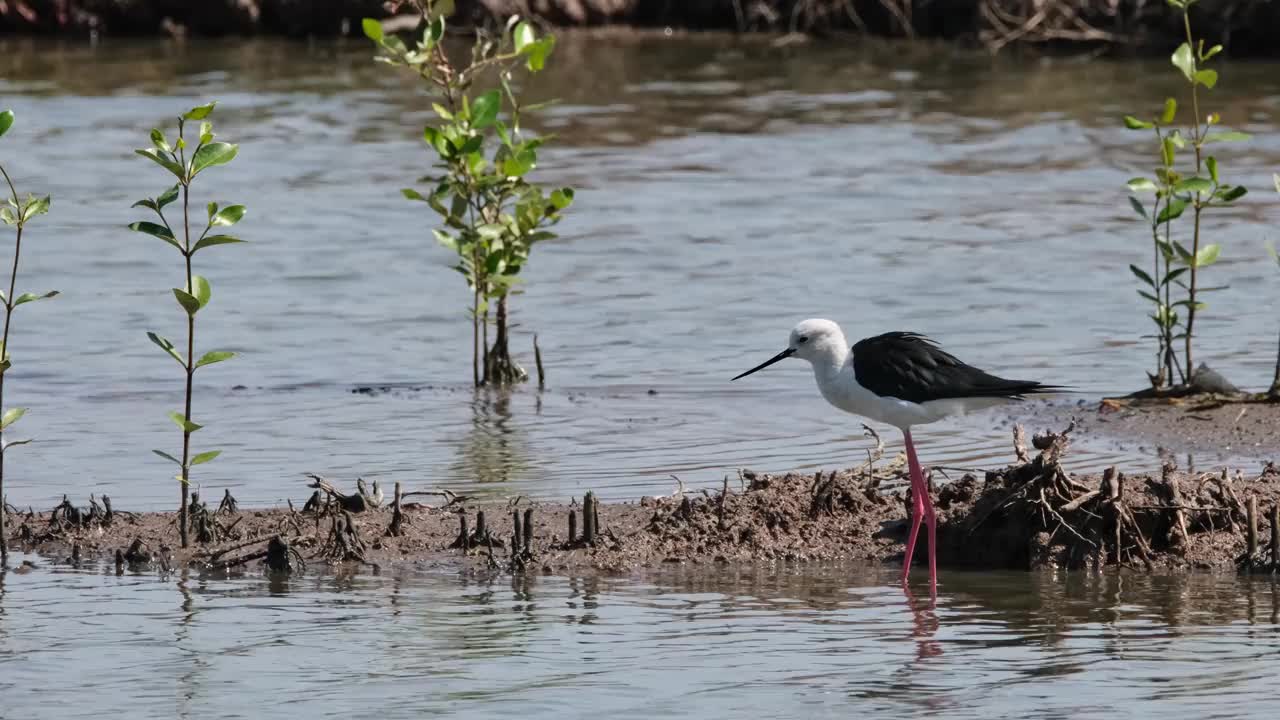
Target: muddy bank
1029, 514
1202, 426
1245, 27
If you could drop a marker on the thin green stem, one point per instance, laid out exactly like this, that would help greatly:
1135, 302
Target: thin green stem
190, 368
4, 351
1198, 206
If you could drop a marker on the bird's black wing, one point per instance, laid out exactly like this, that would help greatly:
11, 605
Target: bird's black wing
911, 367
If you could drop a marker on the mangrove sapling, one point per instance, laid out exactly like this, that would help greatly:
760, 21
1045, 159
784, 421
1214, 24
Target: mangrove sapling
491, 213
1175, 192
195, 294
15, 212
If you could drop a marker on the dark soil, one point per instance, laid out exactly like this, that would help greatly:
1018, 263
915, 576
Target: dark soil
1245, 27
1030, 514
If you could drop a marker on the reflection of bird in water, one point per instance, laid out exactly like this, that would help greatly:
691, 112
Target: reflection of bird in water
924, 624
900, 379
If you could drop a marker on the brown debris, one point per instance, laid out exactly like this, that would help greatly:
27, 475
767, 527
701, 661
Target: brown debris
1032, 513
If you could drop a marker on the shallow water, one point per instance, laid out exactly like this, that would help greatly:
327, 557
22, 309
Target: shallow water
699, 642
727, 190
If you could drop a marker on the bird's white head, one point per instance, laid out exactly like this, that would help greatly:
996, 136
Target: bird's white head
811, 340
815, 338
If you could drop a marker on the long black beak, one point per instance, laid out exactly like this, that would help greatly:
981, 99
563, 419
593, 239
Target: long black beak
780, 356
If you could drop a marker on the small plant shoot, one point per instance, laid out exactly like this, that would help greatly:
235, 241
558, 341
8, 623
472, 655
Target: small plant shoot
16, 212
1176, 261
185, 158
490, 213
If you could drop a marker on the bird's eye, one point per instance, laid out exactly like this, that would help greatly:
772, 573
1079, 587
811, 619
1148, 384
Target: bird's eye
803, 340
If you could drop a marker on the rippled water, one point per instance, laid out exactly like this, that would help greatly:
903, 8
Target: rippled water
699, 643
727, 190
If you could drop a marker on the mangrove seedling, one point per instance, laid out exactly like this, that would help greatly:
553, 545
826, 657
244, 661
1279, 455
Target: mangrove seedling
491, 214
15, 212
1175, 191
185, 163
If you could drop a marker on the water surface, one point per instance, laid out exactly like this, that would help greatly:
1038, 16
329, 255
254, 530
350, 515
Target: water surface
727, 190
822, 641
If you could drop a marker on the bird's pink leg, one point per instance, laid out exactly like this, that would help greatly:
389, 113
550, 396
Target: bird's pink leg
925, 504
918, 508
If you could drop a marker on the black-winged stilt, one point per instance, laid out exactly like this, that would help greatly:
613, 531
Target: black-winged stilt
900, 379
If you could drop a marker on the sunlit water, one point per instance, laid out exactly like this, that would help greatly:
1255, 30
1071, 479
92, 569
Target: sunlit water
696, 643
726, 191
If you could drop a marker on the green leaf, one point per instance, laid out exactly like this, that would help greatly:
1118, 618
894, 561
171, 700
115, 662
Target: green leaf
412, 194
199, 112
147, 203
159, 231
1212, 163
206, 132
1212, 51
563, 197
210, 209
7, 216
218, 153
214, 356
1230, 194
485, 109
11, 416
1173, 274
167, 347
1194, 184
163, 161
168, 457
186, 425
229, 215
36, 206
211, 240
1134, 123
1185, 61
1170, 111
437, 29
29, 297
1276, 179
442, 111
187, 301
372, 29
167, 197
1229, 136
1207, 255
538, 53
1207, 78
1148, 296
1183, 253
524, 36
1172, 211
157, 139
1142, 275
519, 164
6, 121
200, 289
1167, 151
205, 457
1138, 184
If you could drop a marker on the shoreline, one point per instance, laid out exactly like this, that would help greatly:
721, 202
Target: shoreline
1031, 514
994, 25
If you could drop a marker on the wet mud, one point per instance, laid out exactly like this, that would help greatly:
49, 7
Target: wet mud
1029, 514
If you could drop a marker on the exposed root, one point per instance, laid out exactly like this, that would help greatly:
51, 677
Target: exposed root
359, 502
344, 541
